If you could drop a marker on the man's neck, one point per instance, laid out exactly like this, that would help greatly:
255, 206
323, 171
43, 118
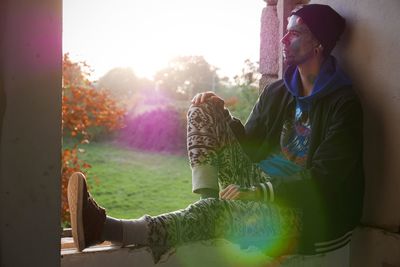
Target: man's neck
308, 74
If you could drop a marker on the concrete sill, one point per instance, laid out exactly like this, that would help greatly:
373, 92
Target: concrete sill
104, 254
68, 246
218, 253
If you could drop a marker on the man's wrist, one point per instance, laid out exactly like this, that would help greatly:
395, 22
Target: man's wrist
208, 193
253, 193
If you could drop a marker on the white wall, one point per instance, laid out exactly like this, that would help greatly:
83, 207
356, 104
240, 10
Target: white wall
369, 52
30, 145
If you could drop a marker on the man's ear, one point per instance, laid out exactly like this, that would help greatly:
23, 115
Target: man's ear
319, 49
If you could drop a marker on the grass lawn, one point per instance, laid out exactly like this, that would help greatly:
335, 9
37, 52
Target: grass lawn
130, 183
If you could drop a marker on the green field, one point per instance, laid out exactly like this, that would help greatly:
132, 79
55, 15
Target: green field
130, 183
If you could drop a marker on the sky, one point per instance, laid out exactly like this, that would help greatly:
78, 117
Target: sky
145, 34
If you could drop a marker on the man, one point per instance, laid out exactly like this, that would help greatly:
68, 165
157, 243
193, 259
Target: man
292, 175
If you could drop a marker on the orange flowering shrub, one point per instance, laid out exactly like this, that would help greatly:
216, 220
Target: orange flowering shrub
83, 109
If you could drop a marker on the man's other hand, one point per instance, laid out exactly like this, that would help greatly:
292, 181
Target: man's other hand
232, 192
208, 96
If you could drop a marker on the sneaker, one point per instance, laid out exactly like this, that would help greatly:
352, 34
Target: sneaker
87, 218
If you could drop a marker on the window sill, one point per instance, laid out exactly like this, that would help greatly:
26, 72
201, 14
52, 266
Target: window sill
104, 254
219, 253
68, 246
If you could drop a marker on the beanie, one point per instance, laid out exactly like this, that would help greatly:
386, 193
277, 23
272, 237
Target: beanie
324, 23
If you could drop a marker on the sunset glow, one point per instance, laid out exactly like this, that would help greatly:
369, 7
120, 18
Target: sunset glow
146, 34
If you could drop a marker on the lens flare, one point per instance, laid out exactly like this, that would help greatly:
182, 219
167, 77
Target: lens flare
252, 240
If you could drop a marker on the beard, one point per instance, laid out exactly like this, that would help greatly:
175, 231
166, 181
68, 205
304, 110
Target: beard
295, 59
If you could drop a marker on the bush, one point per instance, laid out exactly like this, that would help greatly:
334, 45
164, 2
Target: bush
240, 100
159, 130
85, 111
246, 100
70, 164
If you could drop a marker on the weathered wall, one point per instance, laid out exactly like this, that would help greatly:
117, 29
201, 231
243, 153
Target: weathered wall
369, 51
370, 54
273, 27
30, 144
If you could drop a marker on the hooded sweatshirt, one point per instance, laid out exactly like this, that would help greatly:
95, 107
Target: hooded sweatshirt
296, 131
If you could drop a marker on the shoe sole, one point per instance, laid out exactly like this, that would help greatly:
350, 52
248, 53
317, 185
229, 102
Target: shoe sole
75, 200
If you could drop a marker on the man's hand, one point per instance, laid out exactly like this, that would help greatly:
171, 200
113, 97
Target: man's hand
233, 191
208, 96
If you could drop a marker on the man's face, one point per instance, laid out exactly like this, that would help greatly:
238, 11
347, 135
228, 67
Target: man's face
298, 42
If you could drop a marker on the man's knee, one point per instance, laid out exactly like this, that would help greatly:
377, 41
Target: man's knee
205, 204
209, 108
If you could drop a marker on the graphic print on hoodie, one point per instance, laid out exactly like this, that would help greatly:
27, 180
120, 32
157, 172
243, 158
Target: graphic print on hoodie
296, 131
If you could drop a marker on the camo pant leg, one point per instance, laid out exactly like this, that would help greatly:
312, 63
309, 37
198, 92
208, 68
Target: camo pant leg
211, 143
263, 225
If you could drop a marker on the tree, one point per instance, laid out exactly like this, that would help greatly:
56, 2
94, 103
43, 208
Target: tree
185, 76
246, 90
121, 83
249, 75
83, 109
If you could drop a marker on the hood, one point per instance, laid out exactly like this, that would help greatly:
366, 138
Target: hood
330, 78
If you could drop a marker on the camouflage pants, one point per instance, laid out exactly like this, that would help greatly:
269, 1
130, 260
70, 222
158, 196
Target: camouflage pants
211, 143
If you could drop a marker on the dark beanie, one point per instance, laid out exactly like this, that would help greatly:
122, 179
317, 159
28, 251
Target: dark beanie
324, 23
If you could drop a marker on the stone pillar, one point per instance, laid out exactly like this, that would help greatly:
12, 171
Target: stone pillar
273, 27
269, 46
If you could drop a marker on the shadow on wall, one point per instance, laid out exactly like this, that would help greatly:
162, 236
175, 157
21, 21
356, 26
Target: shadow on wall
360, 52
2, 93
2, 103
2, 111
